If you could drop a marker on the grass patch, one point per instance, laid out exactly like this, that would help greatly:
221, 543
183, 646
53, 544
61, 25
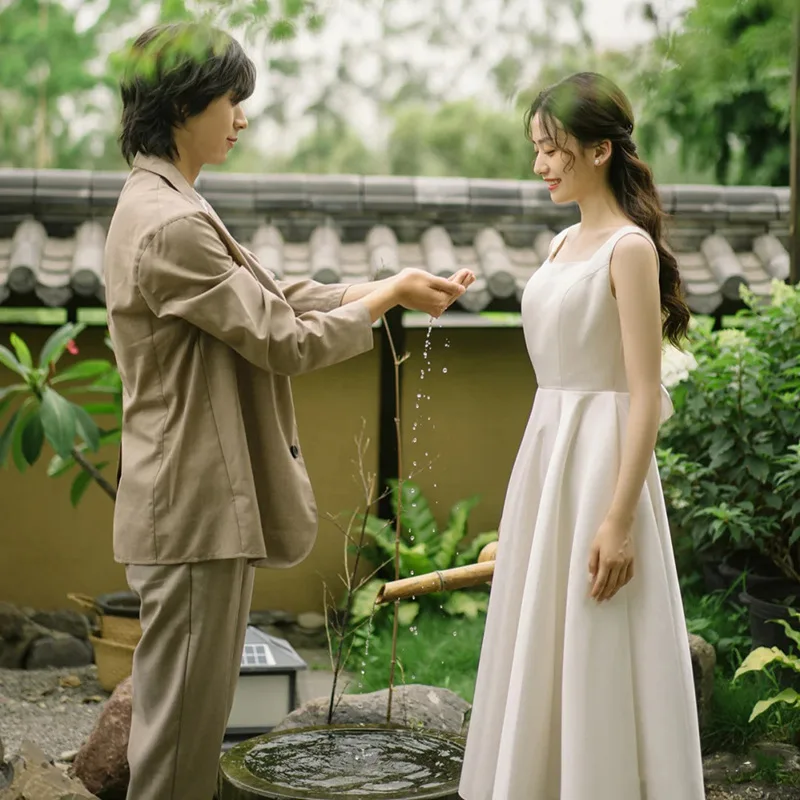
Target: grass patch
436, 651
728, 727
723, 624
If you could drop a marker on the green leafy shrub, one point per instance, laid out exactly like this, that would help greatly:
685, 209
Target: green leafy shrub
730, 455
424, 548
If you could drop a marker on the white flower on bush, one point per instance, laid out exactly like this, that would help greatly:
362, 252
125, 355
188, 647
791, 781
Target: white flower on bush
732, 338
781, 292
675, 365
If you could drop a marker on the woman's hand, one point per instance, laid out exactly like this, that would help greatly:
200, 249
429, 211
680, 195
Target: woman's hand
610, 561
418, 290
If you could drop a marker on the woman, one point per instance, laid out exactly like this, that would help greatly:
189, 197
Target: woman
212, 479
585, 687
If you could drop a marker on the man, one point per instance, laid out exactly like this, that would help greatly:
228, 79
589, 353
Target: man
212, 477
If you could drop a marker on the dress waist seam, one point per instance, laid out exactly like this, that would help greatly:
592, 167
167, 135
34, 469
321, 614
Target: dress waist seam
570, 390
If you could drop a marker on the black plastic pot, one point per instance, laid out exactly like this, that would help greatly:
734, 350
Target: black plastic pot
772, 601
758, 570
119, 604
712, 579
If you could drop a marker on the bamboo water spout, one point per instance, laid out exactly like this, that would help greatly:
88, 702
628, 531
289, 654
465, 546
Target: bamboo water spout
446, 580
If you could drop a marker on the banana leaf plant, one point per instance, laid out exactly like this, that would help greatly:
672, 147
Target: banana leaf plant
36, 410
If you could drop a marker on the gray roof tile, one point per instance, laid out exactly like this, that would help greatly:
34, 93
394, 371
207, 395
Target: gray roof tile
495, 197
725, 265
389, 193
445, 194
355, 228
773, 256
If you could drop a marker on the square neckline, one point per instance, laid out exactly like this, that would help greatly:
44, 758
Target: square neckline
585, 260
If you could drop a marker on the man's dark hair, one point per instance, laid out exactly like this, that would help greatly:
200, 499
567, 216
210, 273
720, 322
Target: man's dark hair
173, 72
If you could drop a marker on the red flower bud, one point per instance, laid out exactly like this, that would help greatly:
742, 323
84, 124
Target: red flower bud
72, 348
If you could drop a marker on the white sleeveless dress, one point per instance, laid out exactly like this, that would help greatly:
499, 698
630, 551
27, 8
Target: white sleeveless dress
575, 700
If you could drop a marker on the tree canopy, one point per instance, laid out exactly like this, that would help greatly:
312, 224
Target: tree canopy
409, 88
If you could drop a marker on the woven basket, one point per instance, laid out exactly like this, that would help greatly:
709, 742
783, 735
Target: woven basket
114, 661
113, 628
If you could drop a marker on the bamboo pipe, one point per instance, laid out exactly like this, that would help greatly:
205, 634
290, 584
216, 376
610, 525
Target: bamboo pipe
446, 580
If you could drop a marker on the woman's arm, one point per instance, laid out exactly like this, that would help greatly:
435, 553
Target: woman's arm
634, 279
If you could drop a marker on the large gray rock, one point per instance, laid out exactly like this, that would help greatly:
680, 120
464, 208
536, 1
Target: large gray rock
102, 763
66, 621
704, 661
58, 650
14, 647
36, 778
413, 706
12, 622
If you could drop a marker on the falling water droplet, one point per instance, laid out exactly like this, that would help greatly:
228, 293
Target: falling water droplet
455, 633
444, 370
414, 440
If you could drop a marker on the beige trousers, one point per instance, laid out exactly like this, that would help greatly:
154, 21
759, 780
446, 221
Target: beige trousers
185, 670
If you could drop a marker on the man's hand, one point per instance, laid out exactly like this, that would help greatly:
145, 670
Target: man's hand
418, 290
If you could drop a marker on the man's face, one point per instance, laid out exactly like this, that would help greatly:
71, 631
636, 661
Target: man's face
209, 136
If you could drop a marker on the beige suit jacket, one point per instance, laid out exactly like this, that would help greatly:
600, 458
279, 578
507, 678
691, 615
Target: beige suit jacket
206, 341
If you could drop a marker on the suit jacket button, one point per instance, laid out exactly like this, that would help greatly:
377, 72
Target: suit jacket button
294, 450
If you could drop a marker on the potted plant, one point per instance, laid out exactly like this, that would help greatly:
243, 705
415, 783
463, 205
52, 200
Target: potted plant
732, 476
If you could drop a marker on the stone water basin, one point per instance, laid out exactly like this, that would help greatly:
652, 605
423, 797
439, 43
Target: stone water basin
344, 761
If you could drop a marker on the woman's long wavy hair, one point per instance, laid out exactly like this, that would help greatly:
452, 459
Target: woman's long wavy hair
593, 109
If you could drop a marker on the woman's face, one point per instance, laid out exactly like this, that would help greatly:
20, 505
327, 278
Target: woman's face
569, 180
210, 135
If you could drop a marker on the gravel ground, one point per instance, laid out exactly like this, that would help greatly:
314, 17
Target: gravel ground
54, 709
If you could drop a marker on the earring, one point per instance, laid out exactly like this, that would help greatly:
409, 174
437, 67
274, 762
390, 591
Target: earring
597, 162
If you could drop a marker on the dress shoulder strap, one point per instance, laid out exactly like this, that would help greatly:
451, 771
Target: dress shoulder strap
558, 241
607, 249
